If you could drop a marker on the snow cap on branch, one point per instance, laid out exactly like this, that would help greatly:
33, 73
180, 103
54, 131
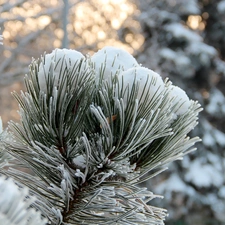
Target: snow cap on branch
180, 100
150, 84
111, 60
55, 64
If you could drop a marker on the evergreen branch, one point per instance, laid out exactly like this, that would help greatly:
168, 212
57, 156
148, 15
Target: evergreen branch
89, 142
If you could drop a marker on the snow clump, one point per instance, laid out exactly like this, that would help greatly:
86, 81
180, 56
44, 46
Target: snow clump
180, 100
53, 65
110, 61
150, 84
115, 66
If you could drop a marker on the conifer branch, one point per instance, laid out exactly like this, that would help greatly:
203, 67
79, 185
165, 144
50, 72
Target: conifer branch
91, 129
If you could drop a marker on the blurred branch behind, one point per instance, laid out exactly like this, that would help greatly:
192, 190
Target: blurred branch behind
31, 28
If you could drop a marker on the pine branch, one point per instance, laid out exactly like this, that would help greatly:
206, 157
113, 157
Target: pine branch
91, 129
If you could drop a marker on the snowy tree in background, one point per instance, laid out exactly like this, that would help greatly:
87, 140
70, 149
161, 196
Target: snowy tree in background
185, 41
92, 129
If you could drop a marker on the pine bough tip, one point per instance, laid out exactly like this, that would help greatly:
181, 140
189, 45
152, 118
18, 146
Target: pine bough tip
92, 128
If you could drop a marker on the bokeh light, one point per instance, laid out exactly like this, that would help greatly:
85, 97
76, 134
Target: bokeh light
31, 28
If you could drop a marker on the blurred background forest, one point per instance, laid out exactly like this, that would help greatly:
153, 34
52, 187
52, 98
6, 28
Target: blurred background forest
180, 39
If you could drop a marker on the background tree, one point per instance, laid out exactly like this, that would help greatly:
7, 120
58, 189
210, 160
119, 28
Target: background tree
184, 40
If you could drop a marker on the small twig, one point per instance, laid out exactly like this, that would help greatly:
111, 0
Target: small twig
65, 13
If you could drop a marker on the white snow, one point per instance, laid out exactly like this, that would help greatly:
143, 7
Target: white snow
217, 205
180, 61
180, 101
203, 51
190, 7
203, 175
57, 62
216, 161
200, 48
80, 174
174, 183
220, 66
150, 83
221, 192
212, 135
208, 139
79, 162
179, 31
219, 137
111, 60
216, 102
178, 58
221, 7
168, 53
8, 191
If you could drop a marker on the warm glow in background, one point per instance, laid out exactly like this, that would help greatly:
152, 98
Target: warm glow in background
31, 28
